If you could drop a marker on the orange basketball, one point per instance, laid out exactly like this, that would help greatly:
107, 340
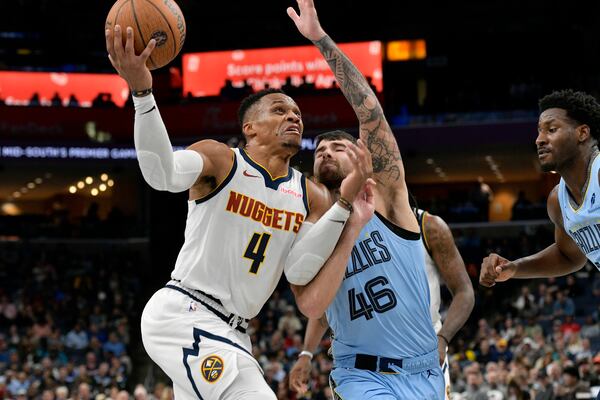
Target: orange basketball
161, 20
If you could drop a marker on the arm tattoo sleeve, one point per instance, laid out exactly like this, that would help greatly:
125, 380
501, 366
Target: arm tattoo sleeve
374, 129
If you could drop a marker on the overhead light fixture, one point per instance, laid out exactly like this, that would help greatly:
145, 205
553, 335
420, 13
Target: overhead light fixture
16, 195
23, 190
80, 185
89, 180
94, 192
38, 181
110, 183
31, 185
72, 189
102, 187
104, 177
430, 161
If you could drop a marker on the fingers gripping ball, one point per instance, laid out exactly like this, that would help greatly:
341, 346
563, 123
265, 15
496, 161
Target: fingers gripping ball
161, 20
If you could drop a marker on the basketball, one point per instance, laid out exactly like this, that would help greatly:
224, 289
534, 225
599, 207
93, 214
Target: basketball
161, 20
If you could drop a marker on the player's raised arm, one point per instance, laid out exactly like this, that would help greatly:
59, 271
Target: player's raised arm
374, 129
162, 168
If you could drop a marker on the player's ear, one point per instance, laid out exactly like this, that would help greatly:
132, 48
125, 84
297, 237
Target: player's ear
583, 133
248, 129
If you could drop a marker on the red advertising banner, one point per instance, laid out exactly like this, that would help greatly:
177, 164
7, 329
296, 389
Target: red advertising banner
18, 88
197, 120
204, 74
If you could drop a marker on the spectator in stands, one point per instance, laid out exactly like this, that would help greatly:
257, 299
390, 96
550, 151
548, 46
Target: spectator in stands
114, 345
73, 102
289, 321
56, 100
563, 306
476, 389
521, 207
34, 101
570, 385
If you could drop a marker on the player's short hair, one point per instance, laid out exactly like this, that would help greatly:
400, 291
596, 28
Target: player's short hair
334, 135
251, 100
580, 107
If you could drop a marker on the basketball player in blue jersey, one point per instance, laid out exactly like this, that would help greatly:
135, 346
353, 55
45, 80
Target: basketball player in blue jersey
443, 264
567, 142
250, 218
377, 304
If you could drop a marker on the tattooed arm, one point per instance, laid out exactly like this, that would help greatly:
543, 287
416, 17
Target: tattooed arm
374, 129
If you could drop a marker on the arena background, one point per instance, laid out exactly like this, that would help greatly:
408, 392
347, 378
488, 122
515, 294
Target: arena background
77, 268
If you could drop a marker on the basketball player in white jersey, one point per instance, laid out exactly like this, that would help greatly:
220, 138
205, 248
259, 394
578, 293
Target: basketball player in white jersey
442, 261
567, 142
250, 218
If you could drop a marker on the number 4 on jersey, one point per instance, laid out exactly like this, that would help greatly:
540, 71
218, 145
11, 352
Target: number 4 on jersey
256, 250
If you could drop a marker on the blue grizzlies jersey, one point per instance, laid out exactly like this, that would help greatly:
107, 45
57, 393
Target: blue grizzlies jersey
382, 306
583, 223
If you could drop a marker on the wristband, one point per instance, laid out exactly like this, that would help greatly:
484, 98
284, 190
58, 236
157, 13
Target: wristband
347, 205
141, 93
444, 337
306, 353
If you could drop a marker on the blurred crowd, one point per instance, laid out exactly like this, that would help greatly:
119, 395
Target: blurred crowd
68, 327
65, 319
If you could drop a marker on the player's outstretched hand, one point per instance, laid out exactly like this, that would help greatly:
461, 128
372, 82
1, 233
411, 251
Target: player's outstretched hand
307, 22
362, 169
130, 67
495, 268
300, 374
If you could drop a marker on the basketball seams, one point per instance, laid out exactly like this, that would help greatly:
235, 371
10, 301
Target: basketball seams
117, 13
139, 28
168, 24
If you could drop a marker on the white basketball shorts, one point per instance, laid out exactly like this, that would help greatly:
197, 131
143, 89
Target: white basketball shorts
204, 356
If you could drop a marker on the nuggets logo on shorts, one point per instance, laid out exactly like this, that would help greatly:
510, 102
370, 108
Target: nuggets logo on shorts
212, 368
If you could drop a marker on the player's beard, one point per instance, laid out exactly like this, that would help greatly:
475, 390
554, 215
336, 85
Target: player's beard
332, 179
548, 166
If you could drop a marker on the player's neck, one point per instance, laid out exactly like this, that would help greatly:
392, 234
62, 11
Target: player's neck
275, 162
577, 174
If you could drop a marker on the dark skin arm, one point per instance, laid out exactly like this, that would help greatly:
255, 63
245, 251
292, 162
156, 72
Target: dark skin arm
452, 270
560, 258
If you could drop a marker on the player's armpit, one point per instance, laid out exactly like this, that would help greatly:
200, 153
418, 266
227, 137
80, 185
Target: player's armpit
217, 156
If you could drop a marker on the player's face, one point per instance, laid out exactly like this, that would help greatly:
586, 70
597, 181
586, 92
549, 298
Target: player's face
557, 139
278, 120
332, 162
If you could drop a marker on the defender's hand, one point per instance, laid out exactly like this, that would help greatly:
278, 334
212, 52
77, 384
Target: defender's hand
308, 21
299, 375
362, 168
495, 268
364, 205
130, 67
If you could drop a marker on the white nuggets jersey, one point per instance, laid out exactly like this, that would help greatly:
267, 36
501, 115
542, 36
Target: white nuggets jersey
433, 276
237, 238
583, 223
